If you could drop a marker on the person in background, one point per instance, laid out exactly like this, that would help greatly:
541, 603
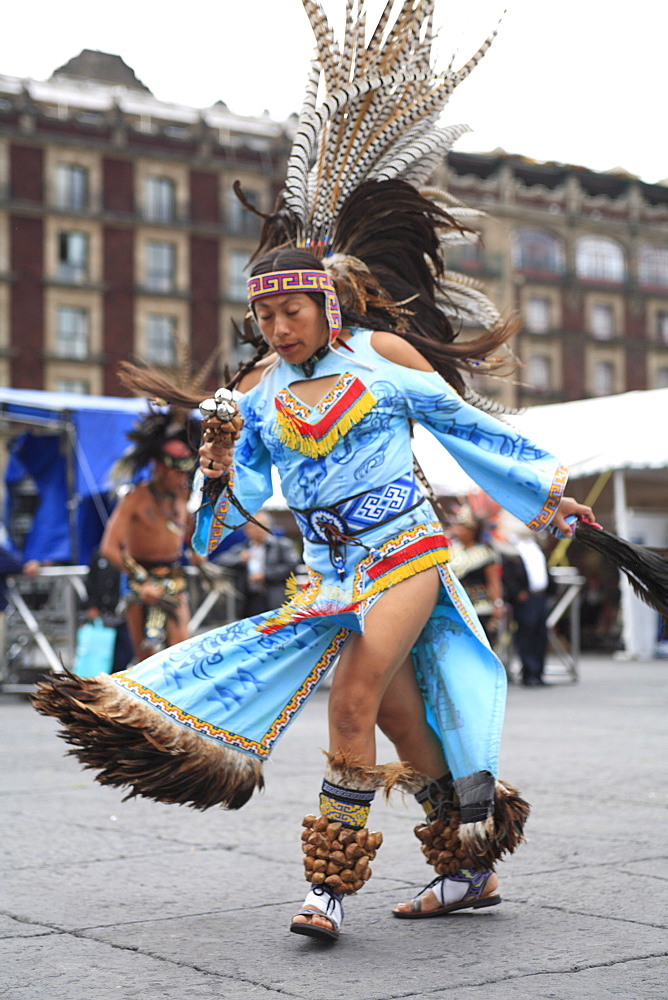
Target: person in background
529, 608
103, 586
261, 563
477, 565
32, 566
150, 527
10, 564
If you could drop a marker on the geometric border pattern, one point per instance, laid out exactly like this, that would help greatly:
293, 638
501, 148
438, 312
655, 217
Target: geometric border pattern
545, 515
257, 749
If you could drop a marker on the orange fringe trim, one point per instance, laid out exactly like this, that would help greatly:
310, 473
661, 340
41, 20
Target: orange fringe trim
310, 601
299, 435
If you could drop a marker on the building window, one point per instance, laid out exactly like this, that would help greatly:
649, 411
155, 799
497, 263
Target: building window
80, 386
661, 378
653, 266
661, 326
161, 340
236, 279
159, 199
540, 373
241, 221
465, 257
72, 256
602, 321
537, 312
536, 250
71, 187
72, 332
160, 266
604, 378
599, 259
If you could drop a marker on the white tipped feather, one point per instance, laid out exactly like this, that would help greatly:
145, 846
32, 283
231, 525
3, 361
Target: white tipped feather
379, 115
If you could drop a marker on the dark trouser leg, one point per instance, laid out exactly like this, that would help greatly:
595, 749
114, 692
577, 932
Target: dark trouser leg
531, 636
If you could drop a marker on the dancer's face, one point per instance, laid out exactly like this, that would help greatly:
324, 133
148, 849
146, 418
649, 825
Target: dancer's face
294, 325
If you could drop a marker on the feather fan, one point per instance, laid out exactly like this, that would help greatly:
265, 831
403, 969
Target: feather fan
646, 570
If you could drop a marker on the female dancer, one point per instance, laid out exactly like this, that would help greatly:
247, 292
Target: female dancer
358, 329
331, 408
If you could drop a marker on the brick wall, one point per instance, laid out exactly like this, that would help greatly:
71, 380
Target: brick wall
27, 302
26, 165
117, 181
204, 197
118, 307
204, 301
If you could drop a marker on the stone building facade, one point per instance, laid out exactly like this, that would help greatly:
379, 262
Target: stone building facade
120, 234
582, 257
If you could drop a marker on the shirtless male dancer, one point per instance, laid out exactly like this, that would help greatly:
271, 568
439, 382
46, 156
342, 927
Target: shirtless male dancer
144, 538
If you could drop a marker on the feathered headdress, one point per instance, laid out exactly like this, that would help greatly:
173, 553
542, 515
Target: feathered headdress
355, 192
151, 435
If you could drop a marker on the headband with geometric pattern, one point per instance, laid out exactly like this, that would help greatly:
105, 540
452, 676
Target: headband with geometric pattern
284, 282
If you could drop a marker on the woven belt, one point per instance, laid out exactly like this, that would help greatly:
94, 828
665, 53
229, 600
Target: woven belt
342, 522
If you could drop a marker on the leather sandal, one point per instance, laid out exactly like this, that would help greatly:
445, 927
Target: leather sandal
461, 890
313, 907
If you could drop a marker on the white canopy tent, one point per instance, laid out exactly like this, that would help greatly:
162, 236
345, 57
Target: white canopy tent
624, 436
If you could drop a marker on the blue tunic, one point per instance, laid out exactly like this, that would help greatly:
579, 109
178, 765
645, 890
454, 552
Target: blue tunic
242, 684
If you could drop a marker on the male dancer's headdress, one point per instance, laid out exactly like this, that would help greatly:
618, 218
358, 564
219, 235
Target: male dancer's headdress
155, 438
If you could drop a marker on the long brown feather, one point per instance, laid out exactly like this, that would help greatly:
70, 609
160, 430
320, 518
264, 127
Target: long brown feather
151, 382
646, 570
133, 746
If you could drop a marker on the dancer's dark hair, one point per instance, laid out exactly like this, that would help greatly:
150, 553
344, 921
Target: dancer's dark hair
393, 311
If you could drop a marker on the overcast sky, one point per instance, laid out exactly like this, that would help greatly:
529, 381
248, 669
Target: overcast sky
579, 81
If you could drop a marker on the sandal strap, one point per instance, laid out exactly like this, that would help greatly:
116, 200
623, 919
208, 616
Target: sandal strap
326, 902
472, 882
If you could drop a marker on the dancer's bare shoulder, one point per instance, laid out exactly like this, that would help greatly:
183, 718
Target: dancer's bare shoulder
254, 376
394, 348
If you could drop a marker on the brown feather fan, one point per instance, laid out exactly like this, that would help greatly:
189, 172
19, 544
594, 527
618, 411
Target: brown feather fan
646, 570
133, 746
153, 383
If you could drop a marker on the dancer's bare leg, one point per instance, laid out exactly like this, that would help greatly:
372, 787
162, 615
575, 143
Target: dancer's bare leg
402, 718
134, 619
366, 669
369, 662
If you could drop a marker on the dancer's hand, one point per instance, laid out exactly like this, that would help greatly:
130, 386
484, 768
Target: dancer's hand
221, 427
150, 593
215, 459
569, 507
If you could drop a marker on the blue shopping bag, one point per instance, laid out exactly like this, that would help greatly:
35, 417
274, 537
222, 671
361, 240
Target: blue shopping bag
95, 649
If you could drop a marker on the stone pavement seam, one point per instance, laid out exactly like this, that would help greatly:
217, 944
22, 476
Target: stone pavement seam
520, 977
572, 911
165, 960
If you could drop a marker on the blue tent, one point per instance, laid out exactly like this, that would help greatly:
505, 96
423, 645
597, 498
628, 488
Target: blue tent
67, 443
